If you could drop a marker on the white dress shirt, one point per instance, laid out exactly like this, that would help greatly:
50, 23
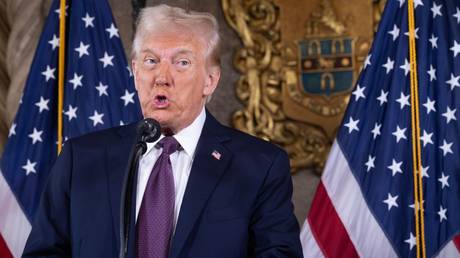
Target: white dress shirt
181, 162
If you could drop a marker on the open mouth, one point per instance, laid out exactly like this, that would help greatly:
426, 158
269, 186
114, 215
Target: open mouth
161, 101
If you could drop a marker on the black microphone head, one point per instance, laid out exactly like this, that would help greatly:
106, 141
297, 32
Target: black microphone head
149, 130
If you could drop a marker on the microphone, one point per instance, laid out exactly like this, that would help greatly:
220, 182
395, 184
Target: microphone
148, 130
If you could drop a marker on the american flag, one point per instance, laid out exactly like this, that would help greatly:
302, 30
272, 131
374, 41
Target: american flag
99, 93
364, 205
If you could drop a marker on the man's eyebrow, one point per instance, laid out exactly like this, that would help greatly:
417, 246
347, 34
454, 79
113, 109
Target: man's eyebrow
178, 52
183, 51
147, 51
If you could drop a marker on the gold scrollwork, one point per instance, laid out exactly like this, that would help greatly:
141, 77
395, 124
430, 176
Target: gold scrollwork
269, 74
260, 86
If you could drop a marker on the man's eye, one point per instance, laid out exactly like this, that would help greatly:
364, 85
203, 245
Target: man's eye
150, 61
183, 62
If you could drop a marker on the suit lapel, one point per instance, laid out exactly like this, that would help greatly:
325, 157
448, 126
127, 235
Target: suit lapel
117, 155
210, 162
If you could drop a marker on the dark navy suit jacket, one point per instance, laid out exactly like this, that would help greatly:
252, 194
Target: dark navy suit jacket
238, 206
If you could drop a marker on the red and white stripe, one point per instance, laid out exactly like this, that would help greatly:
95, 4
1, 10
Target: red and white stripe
14, 226
340, 223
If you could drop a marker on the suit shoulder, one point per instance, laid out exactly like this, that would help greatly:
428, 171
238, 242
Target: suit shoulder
252, 144
256, 158
102, 137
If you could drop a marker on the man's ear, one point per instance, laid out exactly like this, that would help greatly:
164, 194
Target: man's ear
211, 81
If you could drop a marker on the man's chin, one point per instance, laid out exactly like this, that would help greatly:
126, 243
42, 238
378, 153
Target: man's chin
160, 115
165, 120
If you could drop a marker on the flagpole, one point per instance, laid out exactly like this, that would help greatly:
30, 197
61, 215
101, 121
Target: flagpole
416, 149
62, 17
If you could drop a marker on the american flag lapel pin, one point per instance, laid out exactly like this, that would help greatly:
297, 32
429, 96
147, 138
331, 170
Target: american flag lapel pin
216, 155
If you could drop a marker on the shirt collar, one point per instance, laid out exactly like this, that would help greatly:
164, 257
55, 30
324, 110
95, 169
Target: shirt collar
187, 137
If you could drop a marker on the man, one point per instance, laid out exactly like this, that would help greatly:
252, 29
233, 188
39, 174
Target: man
203, 190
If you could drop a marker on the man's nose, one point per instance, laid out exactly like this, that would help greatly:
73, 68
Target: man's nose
163, 76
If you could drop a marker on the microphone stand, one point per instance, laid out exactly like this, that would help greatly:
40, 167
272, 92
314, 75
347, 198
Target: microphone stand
127, 196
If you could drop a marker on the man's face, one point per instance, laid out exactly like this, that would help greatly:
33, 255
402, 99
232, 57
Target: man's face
172, 77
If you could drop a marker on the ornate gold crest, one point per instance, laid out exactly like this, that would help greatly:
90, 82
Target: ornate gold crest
297, 77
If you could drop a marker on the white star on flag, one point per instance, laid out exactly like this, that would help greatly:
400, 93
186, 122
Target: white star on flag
405, 67
376, 130
97, 118
359, 92
429, 104
426, 138
411, 241
454, 81
389, 65
54, 42
383, 98
71, 112
457, 15
49, 73
434, 41
417, 3
367, 62
88, 21
30, 167
42, 104
106, 59
395, 167
58, 11
102, 89
112, 30
450, 114
12, 130
442, 214
36, 136
455, 48
443, 179
413, 205
425, 171
128, 97
415, 32
82, 49
352, 125
394, 32
76, 81
370, 163
446, 148
400, 133
432, 73
391, 201
436, 9
403, 100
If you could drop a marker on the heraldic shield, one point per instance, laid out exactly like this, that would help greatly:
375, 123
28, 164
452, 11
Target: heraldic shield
326, 65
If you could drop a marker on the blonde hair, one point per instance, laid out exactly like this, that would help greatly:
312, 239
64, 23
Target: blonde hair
161, 17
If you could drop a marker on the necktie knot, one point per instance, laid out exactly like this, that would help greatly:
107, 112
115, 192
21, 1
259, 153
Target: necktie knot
169, 145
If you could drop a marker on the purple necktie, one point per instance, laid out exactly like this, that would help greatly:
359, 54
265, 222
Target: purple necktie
155, 219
